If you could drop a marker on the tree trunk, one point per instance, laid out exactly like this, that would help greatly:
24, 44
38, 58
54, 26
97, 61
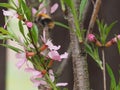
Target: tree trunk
80, 67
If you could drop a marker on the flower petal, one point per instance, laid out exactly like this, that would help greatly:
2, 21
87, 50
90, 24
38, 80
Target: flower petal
20, 55
54, 55
61, 84
34, 11
65, 55
51, 46
54, 8
42, 8
8, 13
20, 63
33, 71
51, 75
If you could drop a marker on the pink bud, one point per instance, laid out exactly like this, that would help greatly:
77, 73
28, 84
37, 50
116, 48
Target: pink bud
116, 38
29, 24
91, 37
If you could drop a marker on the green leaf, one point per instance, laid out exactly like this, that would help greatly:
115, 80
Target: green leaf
4, 37
68, 2
63, 25
11, 47
34, 32
93, 52
7, 5
26, 10
118, 45
112, 77
104, 30
118, 86
62, 5
3, 31
81, 8
108, 29
21, 28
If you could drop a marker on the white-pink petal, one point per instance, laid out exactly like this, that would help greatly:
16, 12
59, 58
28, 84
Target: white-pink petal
54, 55
42, 8
37, 82
61, 84
9, 13
51, 74
21, 55
65, 55
54, 8
20, 63
34, 11
43, 37
51, 46
33, 71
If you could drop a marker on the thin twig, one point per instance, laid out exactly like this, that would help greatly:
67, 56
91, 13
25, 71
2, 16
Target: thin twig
104, 69
93, 17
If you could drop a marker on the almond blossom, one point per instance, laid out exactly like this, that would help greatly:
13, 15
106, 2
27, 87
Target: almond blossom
51, 74
22, 61
38, 79
49, 43
23, 58
91, 37
9, 13
43, 9
29, 24
56, 56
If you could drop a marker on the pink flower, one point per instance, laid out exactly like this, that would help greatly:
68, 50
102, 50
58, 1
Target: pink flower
29, 24
43, 9
91, 37
51, 74
51, 46
116, 38
37, 77
9, 13
49, 43
56, 56
23, 59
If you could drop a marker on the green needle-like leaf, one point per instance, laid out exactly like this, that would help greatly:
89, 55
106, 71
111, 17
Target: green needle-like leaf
11, 47
112, 77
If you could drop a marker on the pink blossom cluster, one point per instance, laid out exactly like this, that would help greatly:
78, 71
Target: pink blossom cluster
38, 77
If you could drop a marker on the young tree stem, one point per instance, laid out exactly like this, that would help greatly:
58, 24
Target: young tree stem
104, 69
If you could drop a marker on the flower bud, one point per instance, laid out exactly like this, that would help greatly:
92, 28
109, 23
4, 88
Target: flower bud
97, 43
50, 63
91, 37
44, 72
30, 54
43, 47
29, 24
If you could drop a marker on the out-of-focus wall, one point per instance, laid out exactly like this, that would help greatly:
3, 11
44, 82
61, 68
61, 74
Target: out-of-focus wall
16, 79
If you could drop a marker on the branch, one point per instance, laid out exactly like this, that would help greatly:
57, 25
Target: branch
93, 17
104, 69
80, 69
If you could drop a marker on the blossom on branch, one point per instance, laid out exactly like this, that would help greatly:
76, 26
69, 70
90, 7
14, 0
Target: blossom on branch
44, 10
